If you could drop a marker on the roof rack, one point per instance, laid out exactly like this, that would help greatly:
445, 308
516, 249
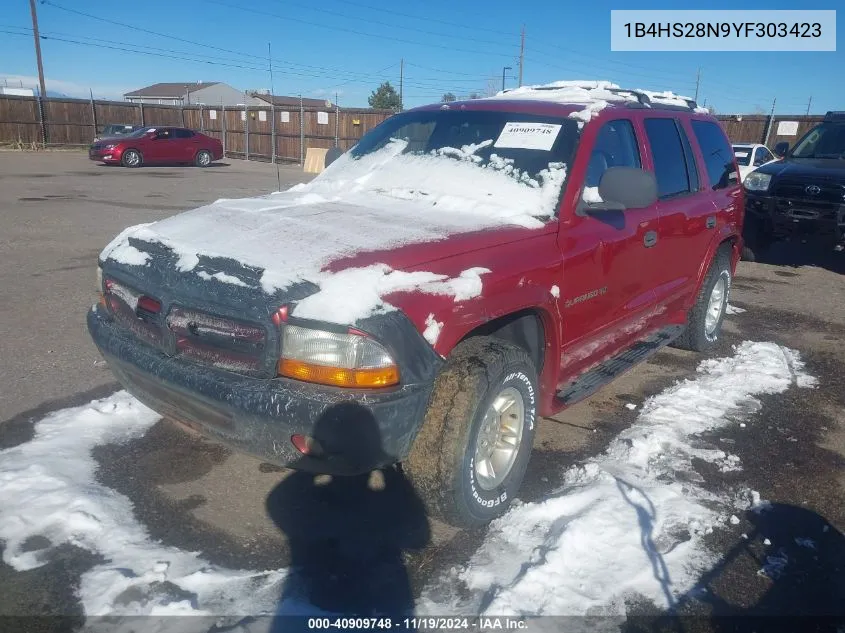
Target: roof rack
633, 98
644, 100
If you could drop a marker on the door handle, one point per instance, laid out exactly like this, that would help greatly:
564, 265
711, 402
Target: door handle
650, 239
711, 221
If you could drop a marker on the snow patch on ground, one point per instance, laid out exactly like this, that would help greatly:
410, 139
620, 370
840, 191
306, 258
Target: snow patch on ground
356, 293
432, 329
48, 488
734, 310
628, 522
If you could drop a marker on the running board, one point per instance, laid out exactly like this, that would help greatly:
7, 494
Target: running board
596, 378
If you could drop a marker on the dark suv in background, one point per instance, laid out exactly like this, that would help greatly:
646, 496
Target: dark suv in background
801, 194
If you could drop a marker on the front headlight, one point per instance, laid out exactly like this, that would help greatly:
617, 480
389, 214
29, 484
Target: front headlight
112, 146
755, 181
340, 359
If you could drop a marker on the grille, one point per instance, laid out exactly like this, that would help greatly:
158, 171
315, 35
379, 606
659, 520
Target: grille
810, 191
218, 341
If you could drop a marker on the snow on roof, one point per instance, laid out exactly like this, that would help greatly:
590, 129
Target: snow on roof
595, 94
577, 92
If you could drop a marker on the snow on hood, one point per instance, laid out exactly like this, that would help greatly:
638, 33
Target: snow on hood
381, 201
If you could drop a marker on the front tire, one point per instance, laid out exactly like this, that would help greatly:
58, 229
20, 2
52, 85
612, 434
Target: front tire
470, 456
704, 322
131, 158
203, 158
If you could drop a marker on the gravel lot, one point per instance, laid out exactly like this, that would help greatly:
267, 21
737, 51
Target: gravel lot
57, 210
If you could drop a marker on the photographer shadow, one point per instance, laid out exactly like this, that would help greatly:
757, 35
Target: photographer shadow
347, 534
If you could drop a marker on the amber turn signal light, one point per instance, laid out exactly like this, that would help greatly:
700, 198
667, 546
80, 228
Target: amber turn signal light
338, 376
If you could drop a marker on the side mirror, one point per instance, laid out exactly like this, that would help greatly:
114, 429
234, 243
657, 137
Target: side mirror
781, 149
623, 188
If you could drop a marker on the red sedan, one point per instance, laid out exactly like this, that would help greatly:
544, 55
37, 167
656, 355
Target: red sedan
158, 146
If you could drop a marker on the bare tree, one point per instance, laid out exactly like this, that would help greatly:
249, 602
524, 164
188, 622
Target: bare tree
449, 97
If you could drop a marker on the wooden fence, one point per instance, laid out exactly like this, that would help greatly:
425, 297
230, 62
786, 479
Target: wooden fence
761, 128
282, 133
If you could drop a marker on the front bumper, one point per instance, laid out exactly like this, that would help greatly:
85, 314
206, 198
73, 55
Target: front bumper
358, 431
104, 157
783, 217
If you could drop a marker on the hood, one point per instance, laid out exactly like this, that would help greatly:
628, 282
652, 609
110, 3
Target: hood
261, 252
816, 168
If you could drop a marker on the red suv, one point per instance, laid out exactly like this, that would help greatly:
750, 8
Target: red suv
464, 269
157, 146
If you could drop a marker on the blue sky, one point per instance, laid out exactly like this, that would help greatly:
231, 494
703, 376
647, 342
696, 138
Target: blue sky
349, 46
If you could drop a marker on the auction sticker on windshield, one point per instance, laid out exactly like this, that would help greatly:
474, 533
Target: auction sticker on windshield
528, 136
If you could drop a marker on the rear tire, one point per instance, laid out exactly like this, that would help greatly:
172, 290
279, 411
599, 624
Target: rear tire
464, 436
704, 322
131, 158
203, 158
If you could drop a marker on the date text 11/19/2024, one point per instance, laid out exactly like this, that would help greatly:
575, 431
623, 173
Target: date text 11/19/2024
477, 624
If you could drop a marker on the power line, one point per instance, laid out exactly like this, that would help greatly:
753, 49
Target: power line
427, 18
380, 37
439, 70
391, 25
360, 80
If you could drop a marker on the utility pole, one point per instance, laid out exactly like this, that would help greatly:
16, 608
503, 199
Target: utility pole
401, 83
521, 54
809, 103
37, 48
697, 83
771, 121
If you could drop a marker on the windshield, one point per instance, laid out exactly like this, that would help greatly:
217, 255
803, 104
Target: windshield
824, 141
743, 155
496, 163
140, 132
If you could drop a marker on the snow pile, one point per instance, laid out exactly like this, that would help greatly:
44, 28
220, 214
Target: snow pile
665, 98
48, 488
355, 293
628, 522
432, 329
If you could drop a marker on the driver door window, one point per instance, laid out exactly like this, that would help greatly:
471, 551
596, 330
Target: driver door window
615, 146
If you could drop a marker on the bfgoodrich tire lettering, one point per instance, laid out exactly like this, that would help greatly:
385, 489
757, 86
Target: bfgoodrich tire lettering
442, 463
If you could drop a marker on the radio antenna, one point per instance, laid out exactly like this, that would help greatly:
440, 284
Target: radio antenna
273, 117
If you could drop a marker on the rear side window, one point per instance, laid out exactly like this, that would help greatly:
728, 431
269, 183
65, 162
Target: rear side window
670, 167
616, 146
183, 133
718, 154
